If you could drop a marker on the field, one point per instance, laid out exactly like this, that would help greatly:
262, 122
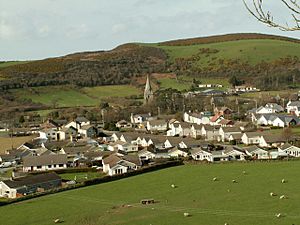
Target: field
6, 142
81, 176
252, 51
71, 97
208, 202
11, 63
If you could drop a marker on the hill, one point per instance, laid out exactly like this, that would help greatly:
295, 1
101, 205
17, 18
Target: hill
209, 202
273, 59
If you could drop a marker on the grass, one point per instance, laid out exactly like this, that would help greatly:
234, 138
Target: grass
11, 63
79, 177
6, 142
246, 202
71, 97
166, 83
252, 51
111, 91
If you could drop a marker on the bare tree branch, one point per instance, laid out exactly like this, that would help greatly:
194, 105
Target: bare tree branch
257, 10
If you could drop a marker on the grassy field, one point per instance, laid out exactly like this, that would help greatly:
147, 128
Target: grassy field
6, 142
166, 83
81, 176
112, 91
252, 51
12, 63
246, 202
70, 97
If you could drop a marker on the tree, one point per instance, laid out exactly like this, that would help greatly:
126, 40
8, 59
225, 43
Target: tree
287, 134
234, 81
265, 16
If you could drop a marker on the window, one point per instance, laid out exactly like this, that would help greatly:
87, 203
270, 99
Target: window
61, 165
39, 167
49, 166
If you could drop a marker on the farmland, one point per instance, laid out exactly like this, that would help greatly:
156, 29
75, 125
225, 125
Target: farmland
56, 96
208, 202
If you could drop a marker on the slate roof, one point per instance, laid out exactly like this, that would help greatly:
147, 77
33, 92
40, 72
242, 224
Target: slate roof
81, 119
252, 148
32, 180
44, 160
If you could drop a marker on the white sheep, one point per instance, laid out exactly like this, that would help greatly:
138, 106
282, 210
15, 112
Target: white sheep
272, 194
234, 181
278, 215
282, 197
283, 181
244, 172
215, 179
57, 221
173, 185
186, 214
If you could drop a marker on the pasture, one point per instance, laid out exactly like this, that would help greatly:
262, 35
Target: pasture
208, 202
64, 96
252, 51
7, 142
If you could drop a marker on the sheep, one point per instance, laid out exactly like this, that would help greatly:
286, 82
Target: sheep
173, 185
244, 172
186, 214
228, 190
215, 179
57, 221
278, 215
272, 194
283, 181
282, 197
234, 181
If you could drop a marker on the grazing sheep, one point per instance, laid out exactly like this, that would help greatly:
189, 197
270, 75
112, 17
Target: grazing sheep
278, 215
244, 172
234, 181
186, 214
173, 185
215, 179
283, 181
226, 223
272, 194
57, 221
282, 197
228, 190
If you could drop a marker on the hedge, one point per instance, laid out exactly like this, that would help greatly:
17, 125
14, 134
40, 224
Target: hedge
101, 180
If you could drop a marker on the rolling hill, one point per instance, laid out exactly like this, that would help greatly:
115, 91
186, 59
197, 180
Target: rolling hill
274, 59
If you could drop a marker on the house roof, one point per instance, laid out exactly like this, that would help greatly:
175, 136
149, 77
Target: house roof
286, 146
225, 122
230, 148
236, 136
32, 180
294, 103
271, 138
157, 122
253, 134
253, 148
231, 129
81, 119
44, 160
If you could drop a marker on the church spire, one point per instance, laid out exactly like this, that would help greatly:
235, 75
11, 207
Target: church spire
148, 93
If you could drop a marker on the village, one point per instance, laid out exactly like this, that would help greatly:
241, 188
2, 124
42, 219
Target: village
144, 140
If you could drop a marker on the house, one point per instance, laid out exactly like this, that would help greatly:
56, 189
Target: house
29, 185
271, 140
123, 124
66, 133
251, 138
290, 150
225, 132
146, 154
120, 164
50, 134
216, 119
226, 123
223, 111
139, 118
180, 129
196, 118
285, 121
235, 138
234, 153
293, 107
78, 123
210, 133
87, 131
201, 155
127, 147
270, 108
44, 162
196, 130
256, 152
157, 125
245, 88
177, 152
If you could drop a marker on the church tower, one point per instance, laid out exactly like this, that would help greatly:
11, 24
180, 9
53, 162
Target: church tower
148, 93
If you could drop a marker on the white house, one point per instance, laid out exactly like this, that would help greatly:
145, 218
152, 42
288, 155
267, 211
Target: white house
139, 118
251, 138
293, 107
196, 118
256, 152
225, 132
201, 155
157, 125
234, 153
270, 108
45, 162
270, 140
119, 164
145, 154
290, 150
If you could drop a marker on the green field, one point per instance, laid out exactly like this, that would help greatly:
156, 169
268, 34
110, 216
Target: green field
166, 83
69, 97
208, 202
81, 176
252, 51
11, 63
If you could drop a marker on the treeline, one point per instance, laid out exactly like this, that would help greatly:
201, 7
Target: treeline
90, 69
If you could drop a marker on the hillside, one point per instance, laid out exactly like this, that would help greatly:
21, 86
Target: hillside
274, 59
208, 202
